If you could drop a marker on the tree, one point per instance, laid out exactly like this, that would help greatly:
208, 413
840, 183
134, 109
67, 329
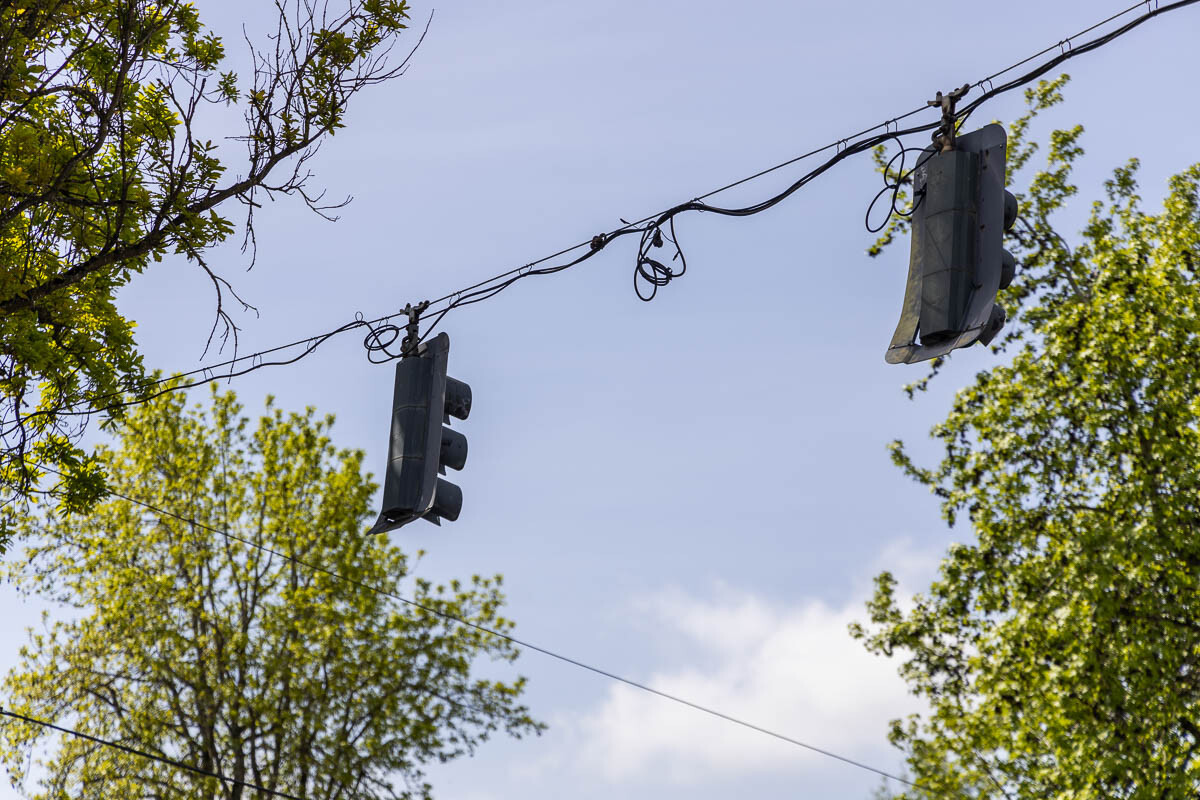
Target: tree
195, 646
1059, 649
105, 168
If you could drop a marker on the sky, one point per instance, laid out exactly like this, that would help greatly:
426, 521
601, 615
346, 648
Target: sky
695, 492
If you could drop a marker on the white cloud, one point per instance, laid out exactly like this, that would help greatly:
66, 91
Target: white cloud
793, 670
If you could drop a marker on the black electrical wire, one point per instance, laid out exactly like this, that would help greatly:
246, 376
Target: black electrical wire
1059, 45
893, 185
1068, 50
658, 276
645, 270
143, 754
652, 272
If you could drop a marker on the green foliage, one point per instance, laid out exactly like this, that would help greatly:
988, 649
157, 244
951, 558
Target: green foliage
103, 172
186, 643
1058, 652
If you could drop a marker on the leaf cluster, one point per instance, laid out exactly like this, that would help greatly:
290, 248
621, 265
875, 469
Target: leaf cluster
104, 171
203, 649
1058, 651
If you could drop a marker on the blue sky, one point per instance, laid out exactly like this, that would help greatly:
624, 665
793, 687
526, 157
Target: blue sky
693, 492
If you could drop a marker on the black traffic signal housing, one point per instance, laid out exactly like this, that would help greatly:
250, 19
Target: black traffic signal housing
957, 263
421, 446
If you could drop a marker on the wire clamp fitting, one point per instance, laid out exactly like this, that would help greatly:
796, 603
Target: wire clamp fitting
412, 331
943, 137
598, 242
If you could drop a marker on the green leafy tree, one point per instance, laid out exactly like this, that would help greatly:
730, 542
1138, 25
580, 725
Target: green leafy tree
192, 645
105, 168
1059, 649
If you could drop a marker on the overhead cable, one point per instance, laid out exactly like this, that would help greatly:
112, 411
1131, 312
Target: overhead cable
124, 748
509, 638
648, 271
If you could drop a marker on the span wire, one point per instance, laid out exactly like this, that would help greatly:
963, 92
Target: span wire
517, 641
124, 748
490, 287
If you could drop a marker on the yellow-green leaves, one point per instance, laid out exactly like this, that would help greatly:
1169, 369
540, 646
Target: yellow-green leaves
1058, 649
232, 658
103, 172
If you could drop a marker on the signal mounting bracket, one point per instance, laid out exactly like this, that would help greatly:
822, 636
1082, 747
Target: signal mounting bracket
412, 330
943, 137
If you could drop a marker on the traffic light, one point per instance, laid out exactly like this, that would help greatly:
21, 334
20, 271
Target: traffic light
421, 446
957, 263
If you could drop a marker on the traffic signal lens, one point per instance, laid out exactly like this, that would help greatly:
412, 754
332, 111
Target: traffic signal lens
454, 449
458, 398
1010, 209
447, 501
995, 322
1008, 268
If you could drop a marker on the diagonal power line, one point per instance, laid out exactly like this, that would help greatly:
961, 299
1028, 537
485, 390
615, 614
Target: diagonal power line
124, 748
487, 288
519, 642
